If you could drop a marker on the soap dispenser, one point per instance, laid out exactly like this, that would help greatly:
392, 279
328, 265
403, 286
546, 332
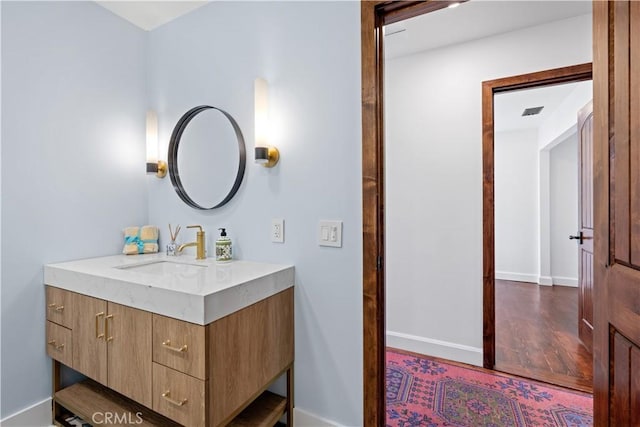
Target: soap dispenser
223, 247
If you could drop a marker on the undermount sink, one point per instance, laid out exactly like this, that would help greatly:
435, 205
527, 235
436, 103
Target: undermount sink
164, 267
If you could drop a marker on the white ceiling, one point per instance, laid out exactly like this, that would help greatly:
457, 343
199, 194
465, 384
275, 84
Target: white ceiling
477, 19
150, 14
508, 106
473, 20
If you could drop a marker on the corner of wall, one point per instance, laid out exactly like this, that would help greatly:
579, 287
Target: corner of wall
303, 418
37, 415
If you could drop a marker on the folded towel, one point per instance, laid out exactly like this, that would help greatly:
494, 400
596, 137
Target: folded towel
140, 240
130, 240
149, 236
149, 232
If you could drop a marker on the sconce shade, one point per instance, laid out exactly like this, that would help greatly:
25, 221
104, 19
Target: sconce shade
154, 165
261, 112
265, 154
152, 137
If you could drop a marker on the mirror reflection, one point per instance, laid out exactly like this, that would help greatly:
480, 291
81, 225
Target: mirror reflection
206, 157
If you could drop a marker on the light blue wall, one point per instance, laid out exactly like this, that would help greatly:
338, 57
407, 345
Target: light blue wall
73, 105
310, 54
74, 93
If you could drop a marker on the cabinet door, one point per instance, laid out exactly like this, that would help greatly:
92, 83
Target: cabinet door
128, 335
90, 351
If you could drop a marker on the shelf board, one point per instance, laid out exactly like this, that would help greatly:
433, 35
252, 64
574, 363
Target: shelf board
88, 397
265, 411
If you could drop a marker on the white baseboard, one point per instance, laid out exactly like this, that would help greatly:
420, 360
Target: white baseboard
565, 281
302, 418
517, 277
36, 415
540, 280
432, 347
545, 281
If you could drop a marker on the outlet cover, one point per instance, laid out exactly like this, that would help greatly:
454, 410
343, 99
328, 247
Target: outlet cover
330, 233
277, 230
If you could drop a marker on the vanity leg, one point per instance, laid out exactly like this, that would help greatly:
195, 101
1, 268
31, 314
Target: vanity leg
290, 396
55, 381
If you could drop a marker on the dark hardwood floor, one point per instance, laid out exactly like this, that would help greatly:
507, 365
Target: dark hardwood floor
537, 334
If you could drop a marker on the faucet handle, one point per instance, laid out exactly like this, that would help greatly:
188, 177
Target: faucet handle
195, 226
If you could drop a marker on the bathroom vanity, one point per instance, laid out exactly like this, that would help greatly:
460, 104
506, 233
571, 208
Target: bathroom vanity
171, 341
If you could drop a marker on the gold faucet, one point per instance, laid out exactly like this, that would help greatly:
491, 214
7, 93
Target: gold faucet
199, 243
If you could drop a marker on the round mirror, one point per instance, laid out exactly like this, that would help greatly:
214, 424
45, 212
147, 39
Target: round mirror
207, 157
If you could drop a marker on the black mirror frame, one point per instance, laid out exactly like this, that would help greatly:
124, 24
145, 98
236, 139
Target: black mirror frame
174, 143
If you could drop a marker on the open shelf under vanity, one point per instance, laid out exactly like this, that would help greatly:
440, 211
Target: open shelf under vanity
97, 405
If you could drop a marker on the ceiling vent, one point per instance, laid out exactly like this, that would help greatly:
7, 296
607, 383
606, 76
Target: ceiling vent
532, 111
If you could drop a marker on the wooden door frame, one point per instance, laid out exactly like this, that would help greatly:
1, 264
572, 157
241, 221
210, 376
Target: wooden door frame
374, 15
571, 74
603, 58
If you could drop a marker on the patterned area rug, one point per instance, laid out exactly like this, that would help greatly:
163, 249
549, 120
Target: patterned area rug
423, 392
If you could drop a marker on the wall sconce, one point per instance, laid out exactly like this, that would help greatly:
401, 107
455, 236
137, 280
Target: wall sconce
154, 165
265, 154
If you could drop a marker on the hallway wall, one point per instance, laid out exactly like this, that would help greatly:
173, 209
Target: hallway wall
434, 179
516, 180
564, 211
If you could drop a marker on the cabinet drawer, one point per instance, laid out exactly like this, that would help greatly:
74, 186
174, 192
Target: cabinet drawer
59, 306
179, 396
179, 345
59, 344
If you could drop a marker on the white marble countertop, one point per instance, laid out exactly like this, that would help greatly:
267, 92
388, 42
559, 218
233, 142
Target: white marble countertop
197, 291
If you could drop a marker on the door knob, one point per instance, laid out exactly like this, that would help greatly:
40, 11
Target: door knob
578, 237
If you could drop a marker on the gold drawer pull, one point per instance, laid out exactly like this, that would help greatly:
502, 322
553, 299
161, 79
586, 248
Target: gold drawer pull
56, 346
98, 334
106, 328
167, 345
56, 307
166, 397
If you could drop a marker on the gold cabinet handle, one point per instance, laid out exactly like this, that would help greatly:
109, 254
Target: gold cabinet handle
98, 316
106, 328
53, 344
167, 345
56, 307
166, 397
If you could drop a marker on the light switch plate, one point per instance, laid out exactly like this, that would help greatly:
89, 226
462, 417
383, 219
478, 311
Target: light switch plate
330, 233
277, 230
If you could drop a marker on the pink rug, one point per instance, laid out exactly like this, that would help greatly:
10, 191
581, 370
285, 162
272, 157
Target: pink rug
426, 392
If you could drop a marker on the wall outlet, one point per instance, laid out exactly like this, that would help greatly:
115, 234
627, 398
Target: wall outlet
277, 230
330, 234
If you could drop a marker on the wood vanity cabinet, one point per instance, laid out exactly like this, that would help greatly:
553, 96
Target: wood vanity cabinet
187, 374
113, 346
